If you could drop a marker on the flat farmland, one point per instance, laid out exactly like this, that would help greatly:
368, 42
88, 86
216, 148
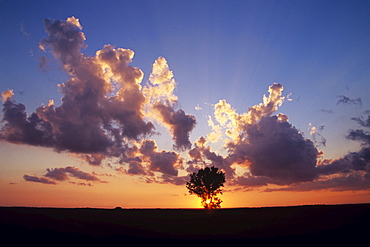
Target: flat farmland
332, 223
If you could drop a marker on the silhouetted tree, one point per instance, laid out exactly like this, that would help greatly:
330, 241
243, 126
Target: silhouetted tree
206, 185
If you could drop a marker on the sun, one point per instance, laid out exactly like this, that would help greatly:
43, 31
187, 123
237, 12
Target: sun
208, 201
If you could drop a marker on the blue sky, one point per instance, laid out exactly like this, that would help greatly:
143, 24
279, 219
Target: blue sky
216, 49
232, 50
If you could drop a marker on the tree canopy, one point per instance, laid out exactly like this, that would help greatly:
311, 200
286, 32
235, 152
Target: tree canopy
206, 184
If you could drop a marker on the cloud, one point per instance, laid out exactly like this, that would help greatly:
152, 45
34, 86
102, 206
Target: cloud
102, 104
273, 151
168, 179
346, 100
179, 123
20, 128
344, 182
216, 133
23, 30
7, 94
161, 84
359, 135
251, 181
136, 168
317, 137
327, 111
38, 179
104, 109
276, 150
162, 161
268, 146
61, 174
94, 159
105, 112
146, 159
198, 108
163, 103
202, 155
362, 121
83, 184
352, 172
87, 113
233, 124
65, 39
42, 63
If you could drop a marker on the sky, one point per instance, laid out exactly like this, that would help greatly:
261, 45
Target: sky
115, 103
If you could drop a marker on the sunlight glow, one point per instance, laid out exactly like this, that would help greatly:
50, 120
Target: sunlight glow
131, 130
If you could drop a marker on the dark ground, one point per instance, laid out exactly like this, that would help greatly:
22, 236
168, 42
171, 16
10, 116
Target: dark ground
295, 225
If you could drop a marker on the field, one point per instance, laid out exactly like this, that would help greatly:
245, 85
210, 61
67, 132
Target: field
334, 223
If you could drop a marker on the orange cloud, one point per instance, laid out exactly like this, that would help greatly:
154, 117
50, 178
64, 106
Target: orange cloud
7, 94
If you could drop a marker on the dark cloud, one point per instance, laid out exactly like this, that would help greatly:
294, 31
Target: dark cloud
65, 39
359, 135
346, 100
89, 120
42, 63
180, 123
105, 112
317, 136
201, 156
162, 161
146, 159
102, 110
136, 168
273, 151
38, 179
344, 182
61, 174
94, 159
352, 172
20, 128
276, 150
163, 105
83, 184
252, 181
354, 161
327, 111
363, 121
175, 180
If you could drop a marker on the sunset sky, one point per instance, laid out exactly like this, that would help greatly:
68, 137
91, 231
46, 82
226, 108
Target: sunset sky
114, 103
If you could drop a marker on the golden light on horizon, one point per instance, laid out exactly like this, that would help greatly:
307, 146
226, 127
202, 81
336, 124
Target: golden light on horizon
131, 132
